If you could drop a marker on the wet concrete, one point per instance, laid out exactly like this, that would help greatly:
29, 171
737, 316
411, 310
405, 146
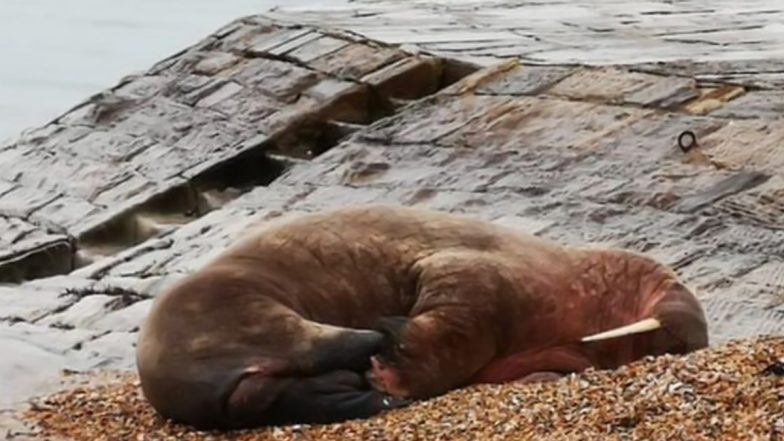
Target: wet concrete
578, 154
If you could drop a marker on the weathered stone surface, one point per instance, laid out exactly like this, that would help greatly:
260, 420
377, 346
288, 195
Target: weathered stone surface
127, 319
409, 78
24, 303
765, 73
267, 40
22, 201
64, 213
736, 183
33, 358
605, 84
107, 160
765, 105
214, 62
525, 80
27, 251
67, 322
114, 350
665, 92
762, 206
734, 314
428, 120
355, 61
747, 144
544, 122
128, 186
82, 313
316, 48
710, 35
279, 79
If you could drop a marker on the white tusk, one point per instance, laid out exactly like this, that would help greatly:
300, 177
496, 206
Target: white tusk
646, 325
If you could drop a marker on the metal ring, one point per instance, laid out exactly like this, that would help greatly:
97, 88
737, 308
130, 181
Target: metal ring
683, 144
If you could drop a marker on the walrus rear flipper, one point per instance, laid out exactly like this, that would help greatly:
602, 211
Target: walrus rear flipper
329, 398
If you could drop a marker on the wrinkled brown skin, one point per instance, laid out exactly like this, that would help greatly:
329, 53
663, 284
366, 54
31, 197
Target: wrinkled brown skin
280, 328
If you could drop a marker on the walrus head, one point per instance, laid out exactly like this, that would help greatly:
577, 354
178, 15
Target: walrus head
678, 313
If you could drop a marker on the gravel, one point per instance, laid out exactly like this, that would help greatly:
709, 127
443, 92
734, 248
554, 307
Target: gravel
733, 391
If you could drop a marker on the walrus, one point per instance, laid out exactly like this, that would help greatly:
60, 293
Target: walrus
350, 312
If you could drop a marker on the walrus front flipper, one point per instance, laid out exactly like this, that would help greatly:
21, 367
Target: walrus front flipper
392, 327
342, 349
329, 398
452, 331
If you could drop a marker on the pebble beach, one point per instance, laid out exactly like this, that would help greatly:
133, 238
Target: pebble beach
730, 392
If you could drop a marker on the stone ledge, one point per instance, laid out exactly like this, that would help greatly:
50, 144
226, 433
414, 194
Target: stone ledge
720, 39
162, 148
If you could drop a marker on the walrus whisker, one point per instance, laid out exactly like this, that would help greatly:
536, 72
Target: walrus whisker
646, 325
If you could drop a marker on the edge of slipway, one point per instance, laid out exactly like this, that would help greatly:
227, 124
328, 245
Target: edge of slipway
577, 153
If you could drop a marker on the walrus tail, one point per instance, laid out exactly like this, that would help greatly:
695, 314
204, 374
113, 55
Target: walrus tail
646, 325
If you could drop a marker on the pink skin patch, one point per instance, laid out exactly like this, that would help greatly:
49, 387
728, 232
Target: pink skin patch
385, 379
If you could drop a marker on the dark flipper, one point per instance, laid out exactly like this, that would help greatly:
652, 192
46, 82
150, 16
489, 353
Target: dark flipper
333, 397
349, 350
329, 398
324, 385
392, 327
